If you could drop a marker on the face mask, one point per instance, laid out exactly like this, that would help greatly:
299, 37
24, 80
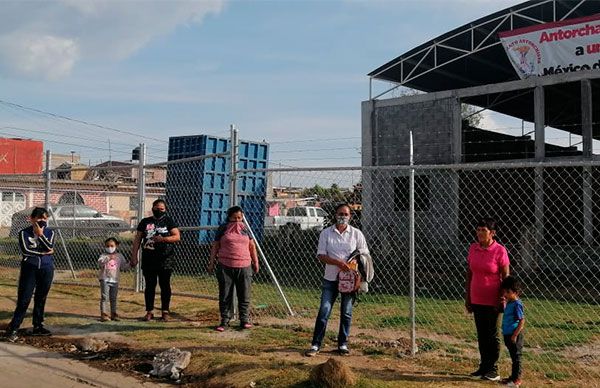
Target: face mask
42, 224
342, 220
158, 213
110, 249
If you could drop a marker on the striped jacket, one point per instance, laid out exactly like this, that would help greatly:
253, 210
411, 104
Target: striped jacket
35, 248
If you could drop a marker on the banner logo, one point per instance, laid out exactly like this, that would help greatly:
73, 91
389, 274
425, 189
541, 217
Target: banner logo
528, 57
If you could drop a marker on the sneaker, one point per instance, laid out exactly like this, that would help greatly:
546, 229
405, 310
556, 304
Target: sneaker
477, 375
246, 325
313, 351
148, 317
343, 350
514, 383
220, 328
104, 318
491, 376
41, 331
165, 316
115, 317
11, 336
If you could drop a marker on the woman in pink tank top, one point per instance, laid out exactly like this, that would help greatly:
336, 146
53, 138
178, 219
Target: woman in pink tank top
235, 251
488, 265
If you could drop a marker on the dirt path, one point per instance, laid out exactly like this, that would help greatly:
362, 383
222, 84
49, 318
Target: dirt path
26, 366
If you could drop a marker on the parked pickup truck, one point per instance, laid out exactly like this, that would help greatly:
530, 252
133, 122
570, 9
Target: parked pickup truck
299, 218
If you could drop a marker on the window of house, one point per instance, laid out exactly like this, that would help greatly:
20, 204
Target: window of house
133, 203
10, 196
401, 193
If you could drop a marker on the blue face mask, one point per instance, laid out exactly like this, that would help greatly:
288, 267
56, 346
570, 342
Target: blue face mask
42, 224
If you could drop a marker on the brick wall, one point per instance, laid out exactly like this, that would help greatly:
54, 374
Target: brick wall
98, 201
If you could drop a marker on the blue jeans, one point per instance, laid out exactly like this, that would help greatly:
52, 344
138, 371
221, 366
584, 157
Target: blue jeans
31, 279
329, 294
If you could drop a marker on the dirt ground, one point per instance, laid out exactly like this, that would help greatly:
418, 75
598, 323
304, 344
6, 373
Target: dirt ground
268, 355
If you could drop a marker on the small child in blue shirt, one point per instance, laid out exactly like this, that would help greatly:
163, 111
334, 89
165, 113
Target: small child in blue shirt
513, 322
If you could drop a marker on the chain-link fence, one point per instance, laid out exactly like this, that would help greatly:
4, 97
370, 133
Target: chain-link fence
548, 217
548, 220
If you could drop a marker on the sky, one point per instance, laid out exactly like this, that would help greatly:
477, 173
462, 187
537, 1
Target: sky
292, 73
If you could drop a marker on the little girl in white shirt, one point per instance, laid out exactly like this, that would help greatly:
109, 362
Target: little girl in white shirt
111, 263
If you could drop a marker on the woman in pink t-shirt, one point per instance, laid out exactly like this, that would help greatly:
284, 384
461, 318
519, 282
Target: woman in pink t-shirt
236, 252
488, 265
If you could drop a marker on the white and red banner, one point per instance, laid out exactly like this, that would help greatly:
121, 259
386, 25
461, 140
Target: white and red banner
554, 48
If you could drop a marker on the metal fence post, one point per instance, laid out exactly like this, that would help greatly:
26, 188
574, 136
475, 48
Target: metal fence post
411, 239
48, 207
234, 166
47, 180
141, 192
233, 190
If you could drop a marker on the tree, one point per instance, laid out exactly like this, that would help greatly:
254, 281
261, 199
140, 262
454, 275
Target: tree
473, 114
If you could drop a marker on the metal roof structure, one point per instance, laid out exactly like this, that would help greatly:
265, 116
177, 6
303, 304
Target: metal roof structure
472, 55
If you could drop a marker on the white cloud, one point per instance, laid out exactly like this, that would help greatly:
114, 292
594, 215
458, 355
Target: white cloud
51, 37
33, 55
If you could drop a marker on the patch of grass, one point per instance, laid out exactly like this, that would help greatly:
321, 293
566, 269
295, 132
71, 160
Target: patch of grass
558, 376
270, 355
394, 321
427, 345
452, 350
269, 336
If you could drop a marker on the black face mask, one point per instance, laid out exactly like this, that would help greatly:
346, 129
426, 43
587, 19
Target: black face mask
42, 224
158, 213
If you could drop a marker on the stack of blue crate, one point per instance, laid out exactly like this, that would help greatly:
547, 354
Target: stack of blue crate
198, 191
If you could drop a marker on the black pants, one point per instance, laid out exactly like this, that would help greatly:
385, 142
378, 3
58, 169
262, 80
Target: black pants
164, 281
515, 350
486, 322
241, 280
31, 279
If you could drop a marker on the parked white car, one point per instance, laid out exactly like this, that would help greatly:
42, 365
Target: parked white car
74, 220
299, 218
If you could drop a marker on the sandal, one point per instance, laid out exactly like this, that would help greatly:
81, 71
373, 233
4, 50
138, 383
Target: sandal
148, 317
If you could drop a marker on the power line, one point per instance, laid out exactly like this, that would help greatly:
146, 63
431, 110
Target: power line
316, 149
311, 140
59, 135
66, 143
11, 104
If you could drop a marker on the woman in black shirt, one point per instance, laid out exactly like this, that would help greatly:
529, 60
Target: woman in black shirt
156, 236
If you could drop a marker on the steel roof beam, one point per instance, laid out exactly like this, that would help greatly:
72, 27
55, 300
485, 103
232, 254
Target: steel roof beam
502, 18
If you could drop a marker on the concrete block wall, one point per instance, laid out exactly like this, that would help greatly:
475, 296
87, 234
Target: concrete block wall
387, 125
436, 127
